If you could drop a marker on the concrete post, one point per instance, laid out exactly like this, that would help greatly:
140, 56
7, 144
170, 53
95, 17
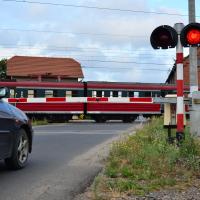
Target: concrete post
193, 67
193, 52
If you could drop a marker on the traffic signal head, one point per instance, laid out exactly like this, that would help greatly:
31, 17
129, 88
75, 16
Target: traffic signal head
190, 35
164, 37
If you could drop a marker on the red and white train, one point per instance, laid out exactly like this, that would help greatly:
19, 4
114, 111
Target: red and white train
100, 101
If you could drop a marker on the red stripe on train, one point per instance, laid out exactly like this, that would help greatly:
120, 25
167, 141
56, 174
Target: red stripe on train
16, 100
124, 107
42, 107
56, 99
140, 99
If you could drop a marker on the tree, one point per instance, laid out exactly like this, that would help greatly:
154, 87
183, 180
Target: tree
3, 64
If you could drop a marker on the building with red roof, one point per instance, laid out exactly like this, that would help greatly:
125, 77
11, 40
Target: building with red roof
27, 68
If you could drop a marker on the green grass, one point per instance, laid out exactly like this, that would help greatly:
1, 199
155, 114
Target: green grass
39, 122
146, 162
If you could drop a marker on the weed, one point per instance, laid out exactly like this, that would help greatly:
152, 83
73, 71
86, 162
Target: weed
145, 161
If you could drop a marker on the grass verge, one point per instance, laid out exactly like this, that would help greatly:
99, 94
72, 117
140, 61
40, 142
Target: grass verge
39, 122
146, 162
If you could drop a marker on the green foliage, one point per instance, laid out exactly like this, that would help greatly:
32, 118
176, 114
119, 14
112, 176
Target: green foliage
145, 161
39, 122
3, 64
190, 153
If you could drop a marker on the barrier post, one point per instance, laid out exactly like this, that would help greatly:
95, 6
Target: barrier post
180, 85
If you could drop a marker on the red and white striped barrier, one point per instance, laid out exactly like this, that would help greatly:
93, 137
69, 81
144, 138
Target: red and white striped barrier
137, 100
89, 105
180, 85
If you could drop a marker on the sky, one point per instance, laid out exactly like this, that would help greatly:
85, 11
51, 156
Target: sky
110, 44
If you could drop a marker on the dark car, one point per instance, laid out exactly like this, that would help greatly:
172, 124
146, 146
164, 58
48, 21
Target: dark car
15, 134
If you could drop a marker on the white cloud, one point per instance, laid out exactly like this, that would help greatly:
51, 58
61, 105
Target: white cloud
94, 47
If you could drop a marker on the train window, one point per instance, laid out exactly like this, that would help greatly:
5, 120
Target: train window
55, 93
115, 93
147, 94
156, 94
124, 93
75, 93
135, 94
68, 93
30, 93
89, 93
48, 93
98, 93
21, 94
141, 94
59, 93
106, 93
12, 93
120, 94
39, 93
94, 93
130, 94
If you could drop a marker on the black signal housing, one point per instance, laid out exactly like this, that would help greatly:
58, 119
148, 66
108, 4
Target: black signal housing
190, 35
164, 37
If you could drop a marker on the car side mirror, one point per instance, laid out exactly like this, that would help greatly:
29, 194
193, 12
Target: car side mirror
3, 92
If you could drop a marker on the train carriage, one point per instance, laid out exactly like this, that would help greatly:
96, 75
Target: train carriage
101, 101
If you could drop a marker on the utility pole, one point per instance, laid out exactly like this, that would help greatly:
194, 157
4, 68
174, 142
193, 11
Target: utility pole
193, 63
193, 52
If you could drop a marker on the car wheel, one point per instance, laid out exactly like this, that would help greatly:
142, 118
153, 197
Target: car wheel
20, 152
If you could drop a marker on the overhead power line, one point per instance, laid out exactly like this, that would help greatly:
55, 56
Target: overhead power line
81, 49
74, 33
126, 62
114, 56
112, 68
69, 54
97, 7
81, 52
119, 62
126, 68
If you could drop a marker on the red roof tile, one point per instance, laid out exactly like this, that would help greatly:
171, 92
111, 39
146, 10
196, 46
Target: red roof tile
35, 66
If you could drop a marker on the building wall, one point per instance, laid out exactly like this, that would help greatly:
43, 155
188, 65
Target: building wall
186, 71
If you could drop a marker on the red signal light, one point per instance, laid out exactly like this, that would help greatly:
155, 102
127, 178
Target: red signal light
190, 35
193, 36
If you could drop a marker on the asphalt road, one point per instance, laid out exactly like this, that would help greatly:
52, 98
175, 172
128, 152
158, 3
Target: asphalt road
50, 173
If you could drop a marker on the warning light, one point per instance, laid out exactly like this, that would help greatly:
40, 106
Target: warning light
193, 36
190, 35
164, 37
